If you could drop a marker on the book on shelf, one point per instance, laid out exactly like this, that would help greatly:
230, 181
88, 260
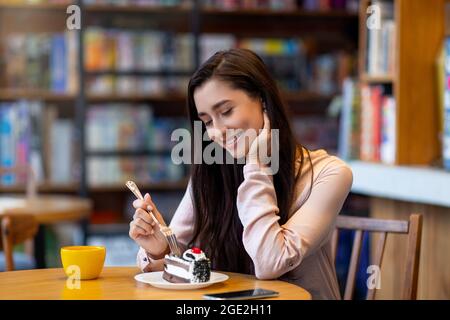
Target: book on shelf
389, 131
15, 140
146, 3
126, 127
120, 50
378, 125
284, 5
30, 134
126, 50
210, 43
288, 60
316, 132
349, 126
40, 61
324, 71
381, 41
327, 5
62, 134
446, 108
251, 4
440, 71
117, 127
113, 170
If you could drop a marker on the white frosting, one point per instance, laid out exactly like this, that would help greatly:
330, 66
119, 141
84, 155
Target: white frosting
179, 272
197, 256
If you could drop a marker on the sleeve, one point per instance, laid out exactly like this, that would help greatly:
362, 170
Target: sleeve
276, 249
182, 224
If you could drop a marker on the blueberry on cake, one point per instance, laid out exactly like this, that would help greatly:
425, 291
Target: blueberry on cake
192, 267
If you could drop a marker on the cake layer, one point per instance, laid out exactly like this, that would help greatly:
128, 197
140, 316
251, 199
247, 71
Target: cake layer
176, 262
177, 271
173, 278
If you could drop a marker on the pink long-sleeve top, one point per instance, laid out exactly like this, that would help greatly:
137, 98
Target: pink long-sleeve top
298, 251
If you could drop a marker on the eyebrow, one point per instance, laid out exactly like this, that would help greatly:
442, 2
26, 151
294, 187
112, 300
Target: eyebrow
215, 106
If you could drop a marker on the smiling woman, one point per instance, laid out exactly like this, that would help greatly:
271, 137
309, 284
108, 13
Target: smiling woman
240, 77
228, 113
246, 218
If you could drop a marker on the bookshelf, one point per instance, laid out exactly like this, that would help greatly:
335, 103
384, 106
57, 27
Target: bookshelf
414, 181
334, 29
418, 35
189, 17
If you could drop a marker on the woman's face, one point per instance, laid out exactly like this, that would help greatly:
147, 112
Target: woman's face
232, 118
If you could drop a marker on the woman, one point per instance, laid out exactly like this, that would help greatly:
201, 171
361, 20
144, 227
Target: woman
245, 219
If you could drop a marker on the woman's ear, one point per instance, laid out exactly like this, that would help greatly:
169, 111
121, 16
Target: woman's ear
264, 109
264, 106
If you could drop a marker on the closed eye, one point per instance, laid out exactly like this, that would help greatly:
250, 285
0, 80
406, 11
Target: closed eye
227, 112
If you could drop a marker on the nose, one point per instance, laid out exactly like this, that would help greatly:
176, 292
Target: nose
217, 133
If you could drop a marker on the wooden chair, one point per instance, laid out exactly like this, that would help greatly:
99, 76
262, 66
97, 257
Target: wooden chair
412, 228
15, 229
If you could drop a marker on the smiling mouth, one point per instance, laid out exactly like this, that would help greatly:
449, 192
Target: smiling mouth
232, 142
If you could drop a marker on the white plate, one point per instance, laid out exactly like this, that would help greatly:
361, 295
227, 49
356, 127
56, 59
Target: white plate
155, 279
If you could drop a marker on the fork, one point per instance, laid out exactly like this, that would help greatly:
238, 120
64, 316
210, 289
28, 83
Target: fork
163, 228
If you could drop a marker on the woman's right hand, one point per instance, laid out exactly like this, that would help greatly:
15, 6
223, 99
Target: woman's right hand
144, 231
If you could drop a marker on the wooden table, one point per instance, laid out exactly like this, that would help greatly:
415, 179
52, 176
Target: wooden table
117, 283
47, 209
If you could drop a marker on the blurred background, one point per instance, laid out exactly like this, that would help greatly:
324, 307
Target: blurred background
90, 108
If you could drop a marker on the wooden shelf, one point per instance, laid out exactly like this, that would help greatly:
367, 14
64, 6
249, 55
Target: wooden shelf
417, 184
44, 187
376, 79
301, 96
16, 94
157, 186
100, 8
140, 73
74, 187
33, 94
128, 153
183, 9
143, 9
163, 97
36, 6
283, 13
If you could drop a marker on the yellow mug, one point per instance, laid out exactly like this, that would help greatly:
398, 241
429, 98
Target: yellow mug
83, 261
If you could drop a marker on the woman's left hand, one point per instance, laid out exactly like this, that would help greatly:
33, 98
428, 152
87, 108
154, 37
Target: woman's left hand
263, 143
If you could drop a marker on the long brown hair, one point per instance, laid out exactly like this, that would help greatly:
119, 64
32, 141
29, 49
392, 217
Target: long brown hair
218, 229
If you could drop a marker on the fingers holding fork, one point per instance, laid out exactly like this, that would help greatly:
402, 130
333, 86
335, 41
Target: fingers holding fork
147, 204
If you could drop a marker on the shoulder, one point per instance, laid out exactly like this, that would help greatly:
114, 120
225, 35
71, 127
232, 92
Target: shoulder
320, 163
319, 167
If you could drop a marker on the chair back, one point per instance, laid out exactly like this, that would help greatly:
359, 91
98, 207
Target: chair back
411, 228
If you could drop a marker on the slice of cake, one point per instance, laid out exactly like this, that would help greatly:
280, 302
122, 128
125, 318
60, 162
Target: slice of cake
192, 267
